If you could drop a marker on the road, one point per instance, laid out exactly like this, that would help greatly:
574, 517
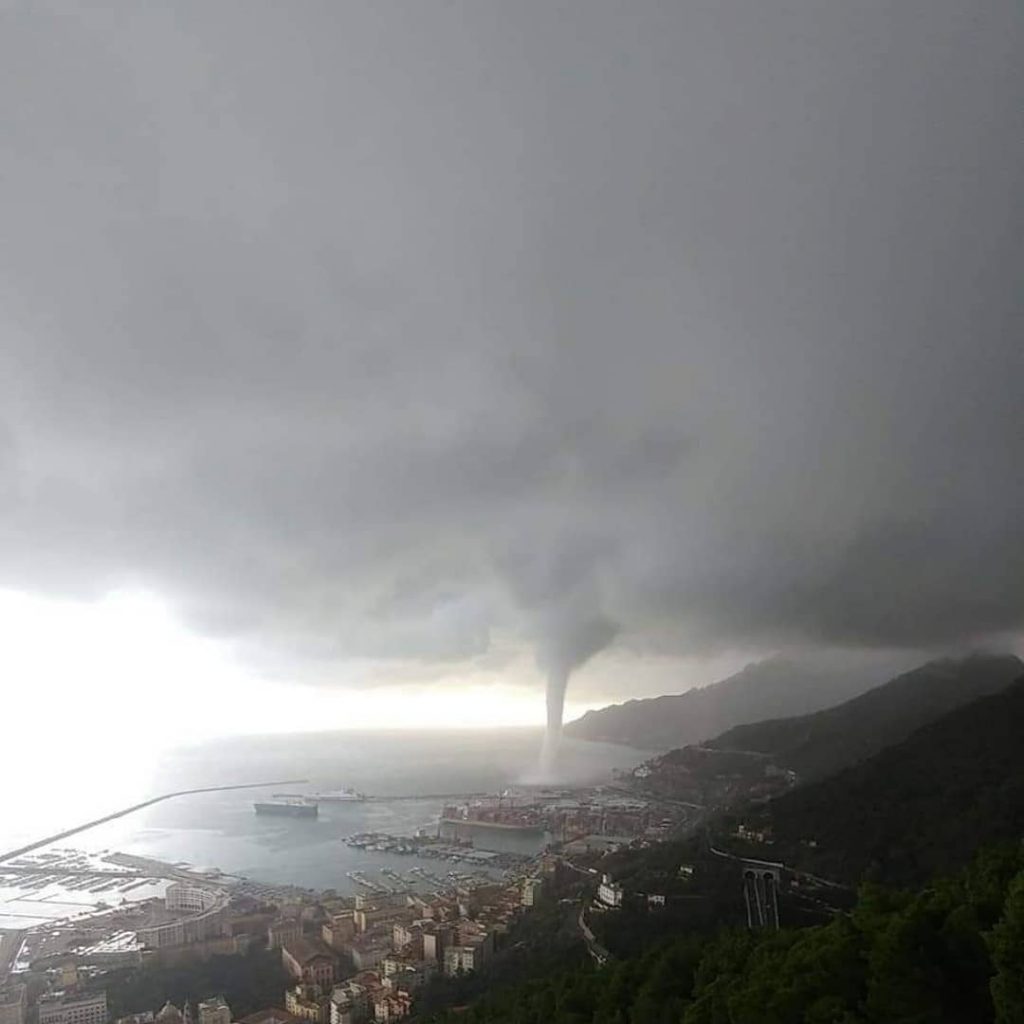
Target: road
57, 836
827, 883
598, 953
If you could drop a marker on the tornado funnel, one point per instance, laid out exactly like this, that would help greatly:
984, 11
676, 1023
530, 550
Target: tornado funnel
568, 640
556, 687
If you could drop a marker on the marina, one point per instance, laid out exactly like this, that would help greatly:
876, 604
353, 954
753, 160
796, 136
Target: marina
431, 848
63, 883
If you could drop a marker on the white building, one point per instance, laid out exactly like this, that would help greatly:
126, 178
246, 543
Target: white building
350, 1003
202, 909
463, 959
609, 893
63, 1008
307, 1003
191, 898
214, 1011
389, 1006
533, 888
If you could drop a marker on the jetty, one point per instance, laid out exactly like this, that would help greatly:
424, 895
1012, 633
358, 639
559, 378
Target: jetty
58, 836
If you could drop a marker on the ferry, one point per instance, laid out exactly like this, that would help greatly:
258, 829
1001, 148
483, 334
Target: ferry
340, 796
290, 807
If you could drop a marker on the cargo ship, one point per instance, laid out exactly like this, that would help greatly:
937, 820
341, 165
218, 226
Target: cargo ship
291, 807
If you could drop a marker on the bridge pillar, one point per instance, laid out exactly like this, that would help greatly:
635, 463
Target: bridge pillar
761, 895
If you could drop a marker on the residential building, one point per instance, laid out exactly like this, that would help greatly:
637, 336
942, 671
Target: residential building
390, 1006
351, 1002
169, 1014
284, 930
308, 1003
73, 1008
309, 961
368, 918
462, 959
338, 930
345, 1009
214, 1011
471, 946
406, 975
609, 893
435, 938
408, 939
270, 1015
473, 933
370, 901
422, 906
368, 950
533, 889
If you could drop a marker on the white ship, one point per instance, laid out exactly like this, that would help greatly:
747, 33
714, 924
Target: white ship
340, 796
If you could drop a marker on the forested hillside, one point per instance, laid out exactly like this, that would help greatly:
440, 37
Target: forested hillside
950, 954
917, 808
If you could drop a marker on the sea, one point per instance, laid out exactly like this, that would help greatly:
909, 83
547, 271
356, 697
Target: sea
408, 772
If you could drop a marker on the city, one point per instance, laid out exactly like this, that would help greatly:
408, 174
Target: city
347, 959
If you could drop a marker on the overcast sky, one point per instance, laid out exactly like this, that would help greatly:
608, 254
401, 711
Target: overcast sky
394, 342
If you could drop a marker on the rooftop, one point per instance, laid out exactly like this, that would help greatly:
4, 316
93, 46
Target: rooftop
214, 1003
271, 1015
305, 950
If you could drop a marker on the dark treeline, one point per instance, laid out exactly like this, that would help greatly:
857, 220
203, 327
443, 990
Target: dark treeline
249, 983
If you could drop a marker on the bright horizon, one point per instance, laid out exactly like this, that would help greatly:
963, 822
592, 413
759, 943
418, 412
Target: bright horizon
68, 662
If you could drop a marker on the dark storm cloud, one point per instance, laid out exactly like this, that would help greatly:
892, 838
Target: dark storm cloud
368, 329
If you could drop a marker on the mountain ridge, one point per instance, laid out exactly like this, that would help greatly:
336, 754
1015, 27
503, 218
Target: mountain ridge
917, 808
774, 688
823, 742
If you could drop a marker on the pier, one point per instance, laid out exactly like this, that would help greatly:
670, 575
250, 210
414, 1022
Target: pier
58, 836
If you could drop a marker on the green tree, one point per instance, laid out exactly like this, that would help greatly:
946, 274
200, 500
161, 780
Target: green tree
1006, 940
